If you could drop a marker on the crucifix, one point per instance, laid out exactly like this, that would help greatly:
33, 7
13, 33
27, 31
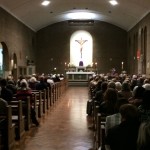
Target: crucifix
81, 42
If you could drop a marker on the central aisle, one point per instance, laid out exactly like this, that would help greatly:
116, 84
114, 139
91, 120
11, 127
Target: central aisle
65, 126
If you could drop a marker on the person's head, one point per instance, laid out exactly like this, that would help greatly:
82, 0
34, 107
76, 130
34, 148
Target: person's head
146, 81
143, 141
110, 96
41, 78
146, 86
146, 99
125, 86
118, 86
32, 80
3, 82
23, 83
138, 92
11, 82
98, 86
111, 84
129, 113
104, 86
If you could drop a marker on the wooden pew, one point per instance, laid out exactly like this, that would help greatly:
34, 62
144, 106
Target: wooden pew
57, 90
100, 132
99, 127
26, 110
37, 104
54, 92
40, 101
7, 130
50, 96
18, 119
95, 125
27, 113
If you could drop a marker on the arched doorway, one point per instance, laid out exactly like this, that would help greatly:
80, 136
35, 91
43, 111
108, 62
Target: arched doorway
4, 57
81, 48
14, 66
1, 61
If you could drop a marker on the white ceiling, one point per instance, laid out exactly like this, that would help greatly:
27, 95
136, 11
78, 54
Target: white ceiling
125, 15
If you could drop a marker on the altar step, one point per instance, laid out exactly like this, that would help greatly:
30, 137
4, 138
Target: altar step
78, 83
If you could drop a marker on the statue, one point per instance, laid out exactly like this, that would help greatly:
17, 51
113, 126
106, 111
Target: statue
81, 42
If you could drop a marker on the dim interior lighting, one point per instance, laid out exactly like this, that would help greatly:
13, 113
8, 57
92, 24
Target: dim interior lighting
113, 2
45, 2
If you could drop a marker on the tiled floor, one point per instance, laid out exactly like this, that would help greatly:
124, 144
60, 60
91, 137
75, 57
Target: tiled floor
63, 127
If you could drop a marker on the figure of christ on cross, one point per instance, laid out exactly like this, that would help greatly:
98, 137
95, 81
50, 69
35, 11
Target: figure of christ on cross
81, 42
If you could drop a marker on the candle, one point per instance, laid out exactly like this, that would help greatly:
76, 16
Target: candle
122, 65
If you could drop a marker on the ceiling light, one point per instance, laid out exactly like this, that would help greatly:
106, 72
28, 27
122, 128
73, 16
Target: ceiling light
113, 2
81, 15
45, 2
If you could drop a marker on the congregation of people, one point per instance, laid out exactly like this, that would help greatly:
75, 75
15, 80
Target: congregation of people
124, 103
122, 100
23, 87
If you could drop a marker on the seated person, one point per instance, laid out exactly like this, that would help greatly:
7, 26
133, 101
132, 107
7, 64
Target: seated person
32, 83
3, 105
107, 107
125, 91
143, 142
124, 136
144, 108
6, 93
115, 119
11, 85
22, 93
99, 95
41, 85
137, 97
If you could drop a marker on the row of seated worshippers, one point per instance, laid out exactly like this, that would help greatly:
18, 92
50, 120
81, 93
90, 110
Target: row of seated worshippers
23, 88
125, 103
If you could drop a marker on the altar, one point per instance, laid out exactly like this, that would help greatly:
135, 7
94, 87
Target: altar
78, 78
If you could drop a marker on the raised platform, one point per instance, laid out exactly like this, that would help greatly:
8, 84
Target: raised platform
80, 68
78, 78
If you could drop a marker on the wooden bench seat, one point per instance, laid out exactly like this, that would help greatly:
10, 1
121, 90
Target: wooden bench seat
7, 129
25, 109
41, 101
37, 104
18, 119
100, 132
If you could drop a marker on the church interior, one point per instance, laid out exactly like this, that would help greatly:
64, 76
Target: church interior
72, 45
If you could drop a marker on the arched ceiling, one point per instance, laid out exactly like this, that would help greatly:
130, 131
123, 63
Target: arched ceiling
125, 15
